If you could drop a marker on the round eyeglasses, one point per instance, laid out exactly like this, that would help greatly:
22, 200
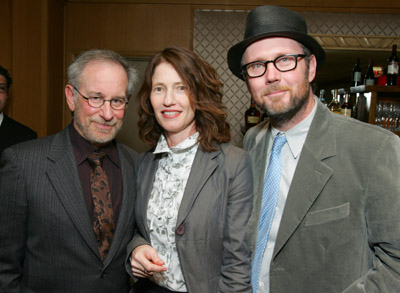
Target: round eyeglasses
97, 102
282, 63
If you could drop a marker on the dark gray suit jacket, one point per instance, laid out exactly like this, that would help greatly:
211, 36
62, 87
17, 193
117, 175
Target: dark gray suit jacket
47, 240
210, 228
340, 230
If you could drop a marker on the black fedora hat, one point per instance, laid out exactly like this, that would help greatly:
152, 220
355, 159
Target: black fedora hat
273, 21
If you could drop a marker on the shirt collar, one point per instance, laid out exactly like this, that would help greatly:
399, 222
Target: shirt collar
83, 148
162, 145
297, 135
1, 118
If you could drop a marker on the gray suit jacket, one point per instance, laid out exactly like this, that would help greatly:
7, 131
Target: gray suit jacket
340, 230
47, 240
212, 218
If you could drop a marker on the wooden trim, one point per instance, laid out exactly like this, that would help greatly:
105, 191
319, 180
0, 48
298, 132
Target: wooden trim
354, 42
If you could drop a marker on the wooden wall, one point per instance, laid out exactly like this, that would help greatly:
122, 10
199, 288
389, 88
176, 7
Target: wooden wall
40, 38
32, 49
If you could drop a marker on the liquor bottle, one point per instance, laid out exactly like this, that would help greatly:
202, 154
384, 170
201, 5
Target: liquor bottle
264, 117
354, 97
341, 93
252, 115
322, 97
362, 112
357, 76
334, 105
369, 78
393, 67
346, 109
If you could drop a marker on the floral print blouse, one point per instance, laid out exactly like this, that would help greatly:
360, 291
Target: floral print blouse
162, 211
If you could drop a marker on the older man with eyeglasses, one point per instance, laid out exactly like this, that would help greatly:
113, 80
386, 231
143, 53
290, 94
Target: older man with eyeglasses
11, 131
66, 201
327, 196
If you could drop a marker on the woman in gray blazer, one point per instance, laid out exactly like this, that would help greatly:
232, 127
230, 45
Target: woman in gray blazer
194, 189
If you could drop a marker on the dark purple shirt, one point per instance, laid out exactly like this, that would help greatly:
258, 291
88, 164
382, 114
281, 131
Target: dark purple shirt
111, 165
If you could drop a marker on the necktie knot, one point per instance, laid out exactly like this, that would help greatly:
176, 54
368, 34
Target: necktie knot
279, 142
96, 158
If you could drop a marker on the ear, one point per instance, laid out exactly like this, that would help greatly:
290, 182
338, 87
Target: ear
312, 68
69, 94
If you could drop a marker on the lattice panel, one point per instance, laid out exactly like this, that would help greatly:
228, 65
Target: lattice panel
214, 34
352, 24
215, 31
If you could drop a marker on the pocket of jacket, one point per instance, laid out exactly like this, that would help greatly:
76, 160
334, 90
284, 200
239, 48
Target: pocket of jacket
328, 215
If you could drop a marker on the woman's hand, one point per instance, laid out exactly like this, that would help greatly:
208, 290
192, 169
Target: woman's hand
145, 261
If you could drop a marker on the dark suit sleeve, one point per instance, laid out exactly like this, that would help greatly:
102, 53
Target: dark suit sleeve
136, 241
137, 238
383, 220
236, 266
13, 221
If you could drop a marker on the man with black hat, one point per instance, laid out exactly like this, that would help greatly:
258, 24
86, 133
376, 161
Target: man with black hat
327, 196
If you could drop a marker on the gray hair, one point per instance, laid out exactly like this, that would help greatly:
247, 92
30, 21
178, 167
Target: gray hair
78, 65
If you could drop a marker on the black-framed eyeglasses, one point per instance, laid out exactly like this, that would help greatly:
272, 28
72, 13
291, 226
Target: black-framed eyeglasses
97, 102
3, 88
282, 63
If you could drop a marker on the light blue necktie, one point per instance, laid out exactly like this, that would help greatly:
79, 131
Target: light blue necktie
268, 204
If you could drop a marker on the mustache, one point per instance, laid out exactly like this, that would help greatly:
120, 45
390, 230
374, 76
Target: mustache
113, 122
274, 88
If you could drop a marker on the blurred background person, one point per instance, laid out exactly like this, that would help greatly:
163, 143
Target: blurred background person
11, 131
194, 191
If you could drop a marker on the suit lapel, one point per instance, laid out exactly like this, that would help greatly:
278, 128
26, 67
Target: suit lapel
65, 179
146, 173
310, 176
127, 206
202, 168
258, 154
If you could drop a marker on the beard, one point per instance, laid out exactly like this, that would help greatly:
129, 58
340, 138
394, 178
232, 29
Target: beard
281, 115
93, 134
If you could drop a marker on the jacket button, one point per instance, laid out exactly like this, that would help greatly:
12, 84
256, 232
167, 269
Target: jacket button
103, 275
180, 230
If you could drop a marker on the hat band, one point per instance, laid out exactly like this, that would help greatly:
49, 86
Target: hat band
274, 29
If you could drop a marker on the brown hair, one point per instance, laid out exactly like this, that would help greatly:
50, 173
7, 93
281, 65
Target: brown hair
205, 96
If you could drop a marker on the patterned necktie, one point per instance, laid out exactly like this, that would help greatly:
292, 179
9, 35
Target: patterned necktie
268, 204
103, 216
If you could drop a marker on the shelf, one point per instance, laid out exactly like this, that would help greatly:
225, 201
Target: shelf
375, 88
375, 94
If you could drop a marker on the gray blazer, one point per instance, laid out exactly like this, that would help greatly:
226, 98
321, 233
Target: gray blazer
47, 240
212, 218
340, 230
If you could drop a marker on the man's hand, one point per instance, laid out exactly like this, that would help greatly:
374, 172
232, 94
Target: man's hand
145, 261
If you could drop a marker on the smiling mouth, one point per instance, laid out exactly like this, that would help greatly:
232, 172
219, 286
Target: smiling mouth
104, 126
170, 114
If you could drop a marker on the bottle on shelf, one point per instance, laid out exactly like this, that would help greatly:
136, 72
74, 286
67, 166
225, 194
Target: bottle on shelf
362, 111
357, 75
341, 94
264, 117
322, 97
369, 78
252, 115
393, 68
334, 105
346, 108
